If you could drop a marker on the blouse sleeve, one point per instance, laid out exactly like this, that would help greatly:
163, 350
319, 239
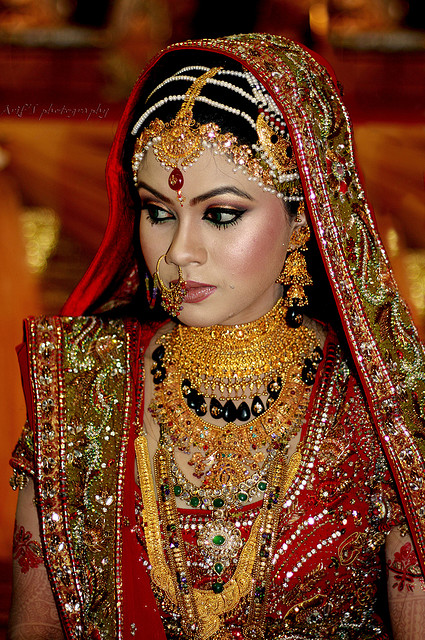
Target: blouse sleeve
22, 460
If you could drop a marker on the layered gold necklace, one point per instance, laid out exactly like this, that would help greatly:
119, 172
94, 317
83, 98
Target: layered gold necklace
203, 611
265, 357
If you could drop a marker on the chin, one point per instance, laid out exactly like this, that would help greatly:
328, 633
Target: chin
199, 317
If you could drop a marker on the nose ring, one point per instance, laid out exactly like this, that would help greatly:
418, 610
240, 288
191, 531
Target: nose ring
172, 296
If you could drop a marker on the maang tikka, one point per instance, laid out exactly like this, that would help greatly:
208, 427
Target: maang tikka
295, 276
177, 141
172, 296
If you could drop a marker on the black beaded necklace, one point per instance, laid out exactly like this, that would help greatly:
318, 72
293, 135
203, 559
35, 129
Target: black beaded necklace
228, 411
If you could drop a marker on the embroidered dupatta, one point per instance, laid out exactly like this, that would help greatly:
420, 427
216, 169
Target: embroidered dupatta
381, 336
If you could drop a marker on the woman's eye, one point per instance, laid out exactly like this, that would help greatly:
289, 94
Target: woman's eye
156, 214
222, 217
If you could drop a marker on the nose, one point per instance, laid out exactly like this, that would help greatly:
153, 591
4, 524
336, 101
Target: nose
187, 246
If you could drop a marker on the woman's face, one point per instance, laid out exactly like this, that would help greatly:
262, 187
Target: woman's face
230, 239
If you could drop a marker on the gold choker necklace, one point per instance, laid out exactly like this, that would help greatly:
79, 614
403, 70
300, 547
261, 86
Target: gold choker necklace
260, 354
233, 359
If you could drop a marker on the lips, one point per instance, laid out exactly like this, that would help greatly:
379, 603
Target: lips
197, 291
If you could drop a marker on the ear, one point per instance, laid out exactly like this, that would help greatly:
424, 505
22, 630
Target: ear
300, 229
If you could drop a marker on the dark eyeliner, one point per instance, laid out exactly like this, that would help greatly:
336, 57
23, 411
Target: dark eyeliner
150, 208
237, 213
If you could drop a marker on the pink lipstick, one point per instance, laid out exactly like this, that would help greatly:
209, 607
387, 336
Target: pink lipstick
197, 291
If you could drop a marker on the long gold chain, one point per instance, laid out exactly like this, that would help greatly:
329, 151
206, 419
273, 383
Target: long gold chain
202, 611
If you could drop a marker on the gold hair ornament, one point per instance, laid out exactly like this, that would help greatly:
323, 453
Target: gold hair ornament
180, 142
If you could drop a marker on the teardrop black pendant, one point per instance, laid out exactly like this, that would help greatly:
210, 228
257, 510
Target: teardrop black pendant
186, 387
243, 412
229, 411
158, 353
257, 406
308, 373
201, 408
317, 356
216, 408
270, 401
294, 317
196, 402
274, 388
158, 374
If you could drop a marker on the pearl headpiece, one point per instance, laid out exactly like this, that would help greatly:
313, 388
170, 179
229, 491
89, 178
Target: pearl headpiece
179, 143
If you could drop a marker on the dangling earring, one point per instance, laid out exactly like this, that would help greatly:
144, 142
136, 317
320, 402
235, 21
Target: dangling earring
295, 276
151, 297
172, 296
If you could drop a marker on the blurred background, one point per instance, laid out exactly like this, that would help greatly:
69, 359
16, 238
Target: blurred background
66, 68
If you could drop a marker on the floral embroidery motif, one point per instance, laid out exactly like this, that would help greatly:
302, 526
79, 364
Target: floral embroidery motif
405, 568
26, 551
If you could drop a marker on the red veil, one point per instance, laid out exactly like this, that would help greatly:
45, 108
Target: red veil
381, 336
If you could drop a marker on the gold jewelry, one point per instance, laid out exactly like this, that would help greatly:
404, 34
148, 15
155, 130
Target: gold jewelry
177, 141
294, 274
227, 496
202, 610
232, 357
172, 296
180, 142
228, 455
300, 212
276, 146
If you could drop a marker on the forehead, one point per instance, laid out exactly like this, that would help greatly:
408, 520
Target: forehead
208, 172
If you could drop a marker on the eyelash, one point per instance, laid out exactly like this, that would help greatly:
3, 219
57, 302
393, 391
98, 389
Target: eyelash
153, 209
237, 213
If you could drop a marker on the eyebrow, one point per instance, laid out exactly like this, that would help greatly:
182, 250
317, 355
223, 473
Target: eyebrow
154, 192
205, 196
221, 191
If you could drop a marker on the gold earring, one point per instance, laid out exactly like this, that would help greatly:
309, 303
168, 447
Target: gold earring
172, 296
295, 276
300, 212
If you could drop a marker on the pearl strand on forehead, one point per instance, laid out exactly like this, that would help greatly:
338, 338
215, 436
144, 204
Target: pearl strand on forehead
221, 72
137, 160
225, 107
181, 75
256, 99
264, 100
153, 108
